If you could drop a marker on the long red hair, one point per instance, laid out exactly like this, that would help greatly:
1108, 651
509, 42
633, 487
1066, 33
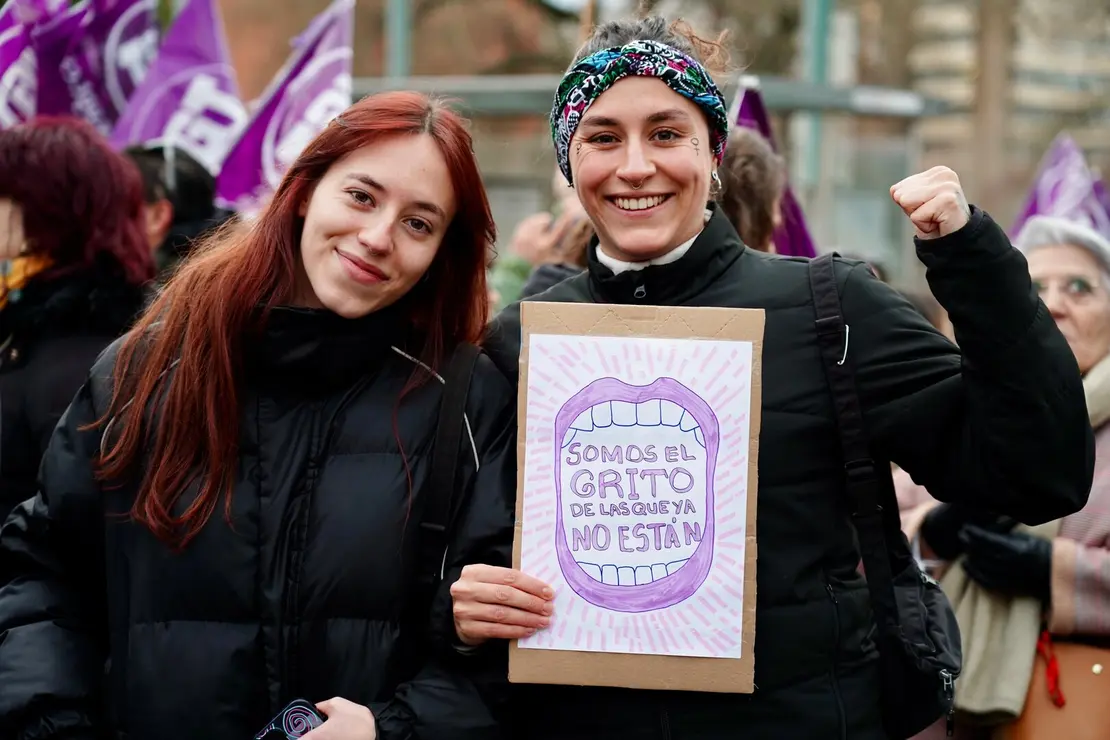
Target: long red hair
184, 356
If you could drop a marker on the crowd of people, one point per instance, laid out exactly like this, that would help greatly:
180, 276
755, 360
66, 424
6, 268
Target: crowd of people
218, 451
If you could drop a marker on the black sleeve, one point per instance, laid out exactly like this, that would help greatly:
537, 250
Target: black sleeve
458, 696
1002, 426
547, 276
502, 342
53, 631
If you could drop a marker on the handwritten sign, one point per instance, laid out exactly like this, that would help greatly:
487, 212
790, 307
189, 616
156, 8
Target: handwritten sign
636, 476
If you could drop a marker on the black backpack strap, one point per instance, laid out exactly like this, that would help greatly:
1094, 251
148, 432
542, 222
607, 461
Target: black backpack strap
438, 509
861, 476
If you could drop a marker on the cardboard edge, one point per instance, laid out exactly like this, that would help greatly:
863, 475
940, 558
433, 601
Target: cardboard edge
626, 670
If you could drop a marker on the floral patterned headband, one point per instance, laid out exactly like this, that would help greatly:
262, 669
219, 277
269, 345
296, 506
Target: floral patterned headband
588, 79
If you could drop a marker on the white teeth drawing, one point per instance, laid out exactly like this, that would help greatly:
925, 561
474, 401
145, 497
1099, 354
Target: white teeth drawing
635, 489
641, 575
652, 413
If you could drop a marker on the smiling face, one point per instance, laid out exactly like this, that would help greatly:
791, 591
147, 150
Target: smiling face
1073, 288
638, 172
373, 225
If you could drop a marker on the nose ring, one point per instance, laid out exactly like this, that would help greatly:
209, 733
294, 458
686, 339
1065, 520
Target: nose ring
637, 187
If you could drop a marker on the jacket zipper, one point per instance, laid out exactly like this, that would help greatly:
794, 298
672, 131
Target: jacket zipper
298, 524
665, 724
300, 509
949, 695
640, 293
835, 664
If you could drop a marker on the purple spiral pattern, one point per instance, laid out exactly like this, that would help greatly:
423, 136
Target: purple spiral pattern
298, 721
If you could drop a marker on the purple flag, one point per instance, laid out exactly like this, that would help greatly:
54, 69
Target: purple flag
792, 239
18, 69
189, 97
1101, 194
32, 12
7, 16
91, 56
118, 46
63, 89
311, 89
1066, 187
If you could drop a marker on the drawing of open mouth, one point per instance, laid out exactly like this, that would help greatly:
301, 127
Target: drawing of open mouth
634, 480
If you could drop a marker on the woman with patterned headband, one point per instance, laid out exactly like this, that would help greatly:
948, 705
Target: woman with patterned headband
639, 129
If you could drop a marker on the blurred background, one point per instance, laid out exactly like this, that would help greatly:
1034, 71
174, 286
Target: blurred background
861, 92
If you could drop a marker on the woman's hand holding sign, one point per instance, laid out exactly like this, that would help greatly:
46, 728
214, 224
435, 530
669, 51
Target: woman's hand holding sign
499, 603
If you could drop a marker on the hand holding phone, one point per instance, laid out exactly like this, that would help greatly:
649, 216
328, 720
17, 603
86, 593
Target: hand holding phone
295, 721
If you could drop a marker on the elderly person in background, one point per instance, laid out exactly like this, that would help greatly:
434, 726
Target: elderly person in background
1058, 573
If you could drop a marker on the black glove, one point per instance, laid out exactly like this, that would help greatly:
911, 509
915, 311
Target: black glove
941, 527
1014, 564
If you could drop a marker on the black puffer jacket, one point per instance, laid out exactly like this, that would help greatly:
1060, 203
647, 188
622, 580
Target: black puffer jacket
547, 276
1004, 426
303, 596
51, 332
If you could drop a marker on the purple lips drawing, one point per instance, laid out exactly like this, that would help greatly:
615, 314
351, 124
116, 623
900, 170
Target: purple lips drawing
634, 474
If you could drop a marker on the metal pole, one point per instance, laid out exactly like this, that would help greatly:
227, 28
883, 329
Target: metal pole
398, 33
816, 16
992, 103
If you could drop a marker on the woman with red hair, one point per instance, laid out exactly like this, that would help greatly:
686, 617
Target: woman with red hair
230, 513
73, 263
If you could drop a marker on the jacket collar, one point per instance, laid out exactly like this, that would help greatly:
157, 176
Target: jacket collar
676, 283
320, 349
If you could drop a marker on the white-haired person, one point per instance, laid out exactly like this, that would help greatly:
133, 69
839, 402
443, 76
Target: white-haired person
1047, 587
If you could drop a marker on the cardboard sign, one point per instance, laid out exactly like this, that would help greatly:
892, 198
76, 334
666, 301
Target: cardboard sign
636, 494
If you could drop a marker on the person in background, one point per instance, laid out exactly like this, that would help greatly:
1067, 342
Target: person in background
639, 128
753, 180
546, 248
180, 201
562, 252
73, 266
1066, 565
230, 512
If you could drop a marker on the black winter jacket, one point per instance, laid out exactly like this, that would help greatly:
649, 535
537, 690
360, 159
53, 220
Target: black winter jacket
1003, 426
51, 332
303, 595
547, 276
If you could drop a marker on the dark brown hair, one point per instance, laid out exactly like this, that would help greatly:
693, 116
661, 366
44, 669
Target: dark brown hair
713, 54
753, 179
